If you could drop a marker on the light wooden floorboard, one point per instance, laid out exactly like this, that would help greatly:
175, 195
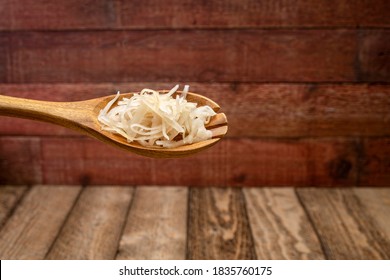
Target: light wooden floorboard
159, 222
9, 198
218, 225
156, 225
95, 224
280, 227
345, 228
30, 231
376, 202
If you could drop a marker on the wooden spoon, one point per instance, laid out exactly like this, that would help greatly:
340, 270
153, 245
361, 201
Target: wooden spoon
82, 116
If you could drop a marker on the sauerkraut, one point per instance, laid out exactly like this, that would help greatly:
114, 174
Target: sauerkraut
157, 119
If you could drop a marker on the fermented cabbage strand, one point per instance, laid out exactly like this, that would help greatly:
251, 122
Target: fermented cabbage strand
156, 119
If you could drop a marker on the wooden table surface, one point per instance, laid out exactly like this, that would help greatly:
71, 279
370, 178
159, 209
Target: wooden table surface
154, 222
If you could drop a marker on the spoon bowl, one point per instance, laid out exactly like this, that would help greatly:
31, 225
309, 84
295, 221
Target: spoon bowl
82, 116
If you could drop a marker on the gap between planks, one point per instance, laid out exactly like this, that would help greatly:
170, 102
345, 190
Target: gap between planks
280, 227
33, 226
350, 222
10, 197
156, 224
93, 228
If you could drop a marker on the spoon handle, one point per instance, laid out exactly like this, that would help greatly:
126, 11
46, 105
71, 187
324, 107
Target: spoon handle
75, 115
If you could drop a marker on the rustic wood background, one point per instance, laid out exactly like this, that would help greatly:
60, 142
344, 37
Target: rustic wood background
151, 222
305, 86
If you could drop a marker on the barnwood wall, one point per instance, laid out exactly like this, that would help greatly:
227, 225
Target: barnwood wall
305, 86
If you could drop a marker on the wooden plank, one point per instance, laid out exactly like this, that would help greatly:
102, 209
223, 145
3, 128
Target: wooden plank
20, 161
280, 227
225, 55
252, 13
285, 110
253, 110
10, 196
101, 14
49, 14
376, 202
345, 229
94, 226
4, 55
33, 227
156, 227
232, 162
375, 163
374, 56
218, 226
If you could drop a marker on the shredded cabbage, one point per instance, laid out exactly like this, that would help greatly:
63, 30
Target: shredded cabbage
156, 119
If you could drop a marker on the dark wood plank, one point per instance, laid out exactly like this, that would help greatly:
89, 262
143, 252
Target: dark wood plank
346, 230
156, 225
286, 110
54, 15
280, 227
232, 162
253, 110
374, 56
4, 55
218, 226
94, 226
102, 14
20, 161
375, 164
166, 55
10, 196
252, 13
316, 161
30, 231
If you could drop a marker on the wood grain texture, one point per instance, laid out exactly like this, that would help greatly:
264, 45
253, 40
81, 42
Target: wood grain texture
251, 13
30, 231
156, 226
4, 55
375, 163
50, 14
20, 161
94, 226
374, 56
345, 229
232, 162
10, 196
103, 14
223, 223
253, 110
280, 227
165, 55
376, 202
218, 226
